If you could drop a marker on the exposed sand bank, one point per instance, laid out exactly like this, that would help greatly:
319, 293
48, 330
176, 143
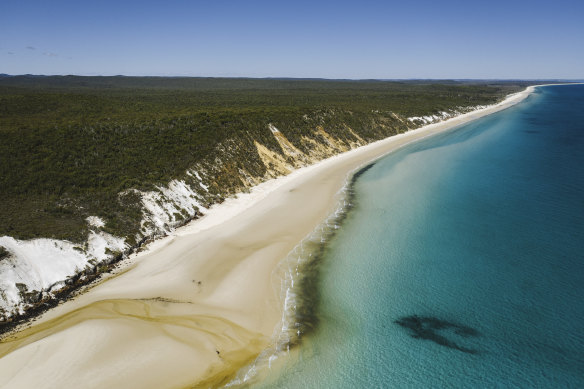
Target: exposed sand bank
199, 304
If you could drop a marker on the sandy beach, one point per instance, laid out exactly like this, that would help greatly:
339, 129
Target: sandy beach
202, 303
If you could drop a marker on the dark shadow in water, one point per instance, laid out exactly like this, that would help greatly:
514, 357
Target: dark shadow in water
438, 331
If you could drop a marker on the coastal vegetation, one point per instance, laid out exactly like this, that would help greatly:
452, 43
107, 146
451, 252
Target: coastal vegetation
73, 146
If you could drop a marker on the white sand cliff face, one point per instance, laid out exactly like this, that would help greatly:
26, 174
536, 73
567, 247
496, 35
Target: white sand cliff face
39, 267
200, 304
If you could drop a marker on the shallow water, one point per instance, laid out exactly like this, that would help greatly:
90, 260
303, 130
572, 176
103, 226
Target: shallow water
462, 263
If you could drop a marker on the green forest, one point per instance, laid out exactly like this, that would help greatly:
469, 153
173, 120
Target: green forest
70, 145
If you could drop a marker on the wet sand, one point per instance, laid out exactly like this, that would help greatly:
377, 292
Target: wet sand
200, 304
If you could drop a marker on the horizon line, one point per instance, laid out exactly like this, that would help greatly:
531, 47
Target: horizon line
299, 78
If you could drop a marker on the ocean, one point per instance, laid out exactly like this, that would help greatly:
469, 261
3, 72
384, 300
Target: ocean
461, 263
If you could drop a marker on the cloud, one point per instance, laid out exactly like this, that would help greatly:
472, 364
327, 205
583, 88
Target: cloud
31, 47
49, 54
10, 53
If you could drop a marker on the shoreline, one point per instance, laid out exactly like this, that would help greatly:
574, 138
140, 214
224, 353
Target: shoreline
200, 304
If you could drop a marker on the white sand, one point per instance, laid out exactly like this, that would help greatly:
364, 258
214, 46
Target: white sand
200, 304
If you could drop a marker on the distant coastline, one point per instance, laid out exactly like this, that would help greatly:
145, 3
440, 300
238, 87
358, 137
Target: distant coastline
214, 276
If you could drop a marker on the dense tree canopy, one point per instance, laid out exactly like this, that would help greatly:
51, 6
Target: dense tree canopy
71, 144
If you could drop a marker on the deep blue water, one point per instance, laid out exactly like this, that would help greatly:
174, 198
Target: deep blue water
473, 240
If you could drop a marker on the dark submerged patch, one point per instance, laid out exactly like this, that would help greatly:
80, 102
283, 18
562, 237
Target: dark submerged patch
438, 331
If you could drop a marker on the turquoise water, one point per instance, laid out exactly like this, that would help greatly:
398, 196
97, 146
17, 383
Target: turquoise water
462, 263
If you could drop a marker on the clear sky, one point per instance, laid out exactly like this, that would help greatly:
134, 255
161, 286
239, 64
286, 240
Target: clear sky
329, 39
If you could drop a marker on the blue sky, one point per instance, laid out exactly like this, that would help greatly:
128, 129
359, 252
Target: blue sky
329, 39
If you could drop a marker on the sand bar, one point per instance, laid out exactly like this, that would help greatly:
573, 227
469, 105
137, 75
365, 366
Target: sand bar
200, 304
